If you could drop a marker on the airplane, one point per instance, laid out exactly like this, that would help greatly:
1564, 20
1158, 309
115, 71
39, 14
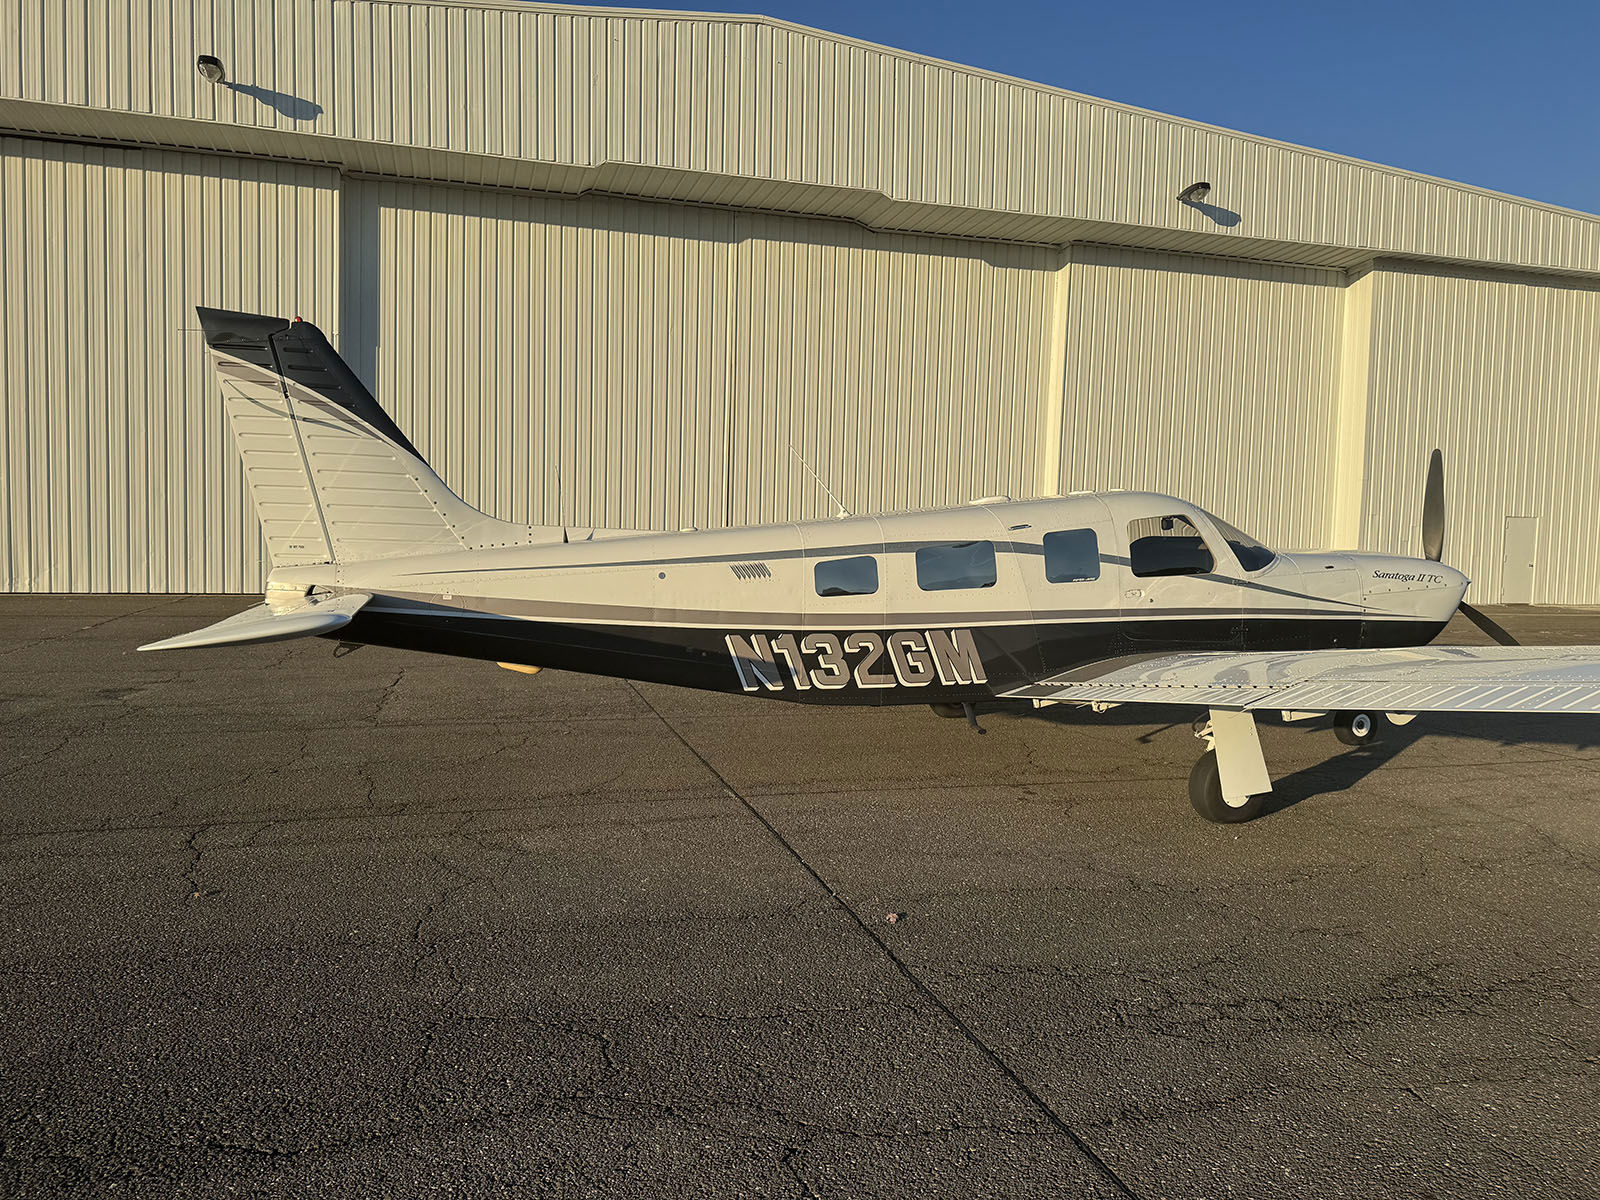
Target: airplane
1093, 599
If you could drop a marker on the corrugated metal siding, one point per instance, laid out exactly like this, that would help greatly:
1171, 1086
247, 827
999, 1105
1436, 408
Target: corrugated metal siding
747, 97
119, 470
907, 372
642, 365
1503, 375
554, 360
1204, 378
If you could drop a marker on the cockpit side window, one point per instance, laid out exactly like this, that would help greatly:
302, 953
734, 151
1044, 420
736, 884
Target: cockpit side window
1252, 555
1168, 545
847, 576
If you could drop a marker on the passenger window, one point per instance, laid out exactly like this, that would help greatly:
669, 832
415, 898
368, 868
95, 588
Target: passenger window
847, 576
962, 565
1167, 546
1071, 556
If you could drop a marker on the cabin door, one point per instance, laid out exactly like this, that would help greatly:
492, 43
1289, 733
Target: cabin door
1178, 590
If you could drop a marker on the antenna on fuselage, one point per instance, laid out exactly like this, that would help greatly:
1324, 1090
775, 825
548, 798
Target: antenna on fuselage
843, 512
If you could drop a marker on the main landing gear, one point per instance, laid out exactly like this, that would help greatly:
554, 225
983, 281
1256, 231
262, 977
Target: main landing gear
1357, 728
1230, 782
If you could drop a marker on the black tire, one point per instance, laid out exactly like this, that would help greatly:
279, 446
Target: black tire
948, 710
1357, 728
1205, 794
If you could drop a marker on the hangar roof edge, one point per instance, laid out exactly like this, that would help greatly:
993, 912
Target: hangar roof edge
735, 110
671, 14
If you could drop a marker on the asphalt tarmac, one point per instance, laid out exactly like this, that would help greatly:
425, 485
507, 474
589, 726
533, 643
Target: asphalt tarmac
276, 922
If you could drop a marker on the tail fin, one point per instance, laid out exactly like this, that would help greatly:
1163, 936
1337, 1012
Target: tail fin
333, 478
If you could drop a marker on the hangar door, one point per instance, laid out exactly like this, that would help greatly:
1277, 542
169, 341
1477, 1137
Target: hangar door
556, 361
117, 470
1211, 379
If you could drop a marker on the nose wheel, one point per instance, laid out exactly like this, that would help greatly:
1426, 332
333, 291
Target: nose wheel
1357, 728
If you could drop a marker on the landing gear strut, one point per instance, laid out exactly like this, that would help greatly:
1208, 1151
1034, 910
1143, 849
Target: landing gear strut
1230, 783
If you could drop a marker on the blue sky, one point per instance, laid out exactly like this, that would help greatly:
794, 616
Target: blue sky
1503, 95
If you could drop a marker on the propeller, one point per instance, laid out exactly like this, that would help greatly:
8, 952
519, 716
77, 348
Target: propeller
1433, 545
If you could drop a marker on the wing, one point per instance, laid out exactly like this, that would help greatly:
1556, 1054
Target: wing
265, 623
1564, 679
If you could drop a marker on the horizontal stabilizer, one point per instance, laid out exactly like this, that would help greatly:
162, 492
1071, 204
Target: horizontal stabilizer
267, 624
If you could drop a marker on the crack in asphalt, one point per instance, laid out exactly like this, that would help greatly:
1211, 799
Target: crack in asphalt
72, 633
387, 694
191, 875
1042, 1106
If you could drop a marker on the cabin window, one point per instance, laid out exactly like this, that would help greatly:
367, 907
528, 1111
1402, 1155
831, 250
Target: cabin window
847, 576
959, 565
1167, 546
1071, 556
1252, 555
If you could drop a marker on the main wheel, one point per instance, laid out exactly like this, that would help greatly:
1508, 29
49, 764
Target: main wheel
1357, 728
948, 710
1205, 793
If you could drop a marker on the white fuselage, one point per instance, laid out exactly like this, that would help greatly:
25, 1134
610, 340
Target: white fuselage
1041, 585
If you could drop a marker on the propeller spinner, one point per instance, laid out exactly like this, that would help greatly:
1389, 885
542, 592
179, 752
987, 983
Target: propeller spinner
1433, 544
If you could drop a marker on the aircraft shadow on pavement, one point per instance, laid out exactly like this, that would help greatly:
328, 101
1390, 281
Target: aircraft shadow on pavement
1345, 766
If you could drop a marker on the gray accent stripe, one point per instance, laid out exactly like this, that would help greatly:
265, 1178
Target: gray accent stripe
866, 548
620, 614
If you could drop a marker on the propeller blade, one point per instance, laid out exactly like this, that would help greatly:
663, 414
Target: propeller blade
1433, 509
1488, 626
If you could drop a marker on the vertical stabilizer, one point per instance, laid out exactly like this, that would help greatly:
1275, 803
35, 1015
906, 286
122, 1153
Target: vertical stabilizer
333, 478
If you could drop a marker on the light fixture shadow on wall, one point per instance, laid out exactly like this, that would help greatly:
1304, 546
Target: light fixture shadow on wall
1195, 197
296, 108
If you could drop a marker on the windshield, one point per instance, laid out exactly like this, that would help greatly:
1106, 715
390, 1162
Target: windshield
1252, 555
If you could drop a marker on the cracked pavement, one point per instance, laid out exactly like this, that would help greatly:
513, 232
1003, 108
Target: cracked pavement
273, 922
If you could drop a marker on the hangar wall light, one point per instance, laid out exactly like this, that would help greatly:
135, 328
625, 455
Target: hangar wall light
1194, 193
210, 68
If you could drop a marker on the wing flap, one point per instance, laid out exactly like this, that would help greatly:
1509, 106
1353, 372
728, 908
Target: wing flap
265, 623
1546, 679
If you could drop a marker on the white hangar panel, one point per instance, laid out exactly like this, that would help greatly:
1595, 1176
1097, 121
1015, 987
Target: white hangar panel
900, 273
622, 363
713, 102
907, 372
1210, 379
554, 360
1500, 372
117, 469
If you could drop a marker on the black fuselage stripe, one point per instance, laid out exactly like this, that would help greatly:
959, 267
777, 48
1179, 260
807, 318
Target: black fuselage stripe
1013, 656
